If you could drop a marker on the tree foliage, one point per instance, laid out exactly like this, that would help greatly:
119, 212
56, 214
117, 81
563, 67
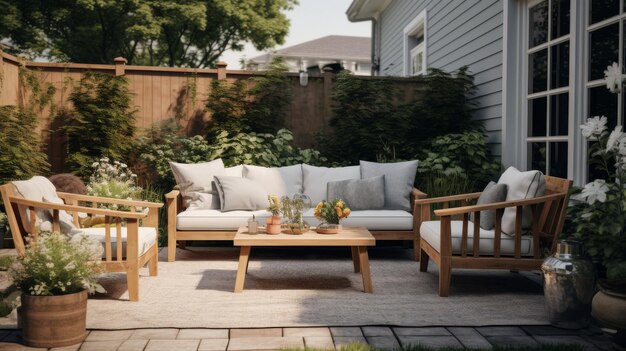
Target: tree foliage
101, 122
192, 33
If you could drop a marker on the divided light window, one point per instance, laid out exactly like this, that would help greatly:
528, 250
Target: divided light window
606, 23
548, 93
415, 46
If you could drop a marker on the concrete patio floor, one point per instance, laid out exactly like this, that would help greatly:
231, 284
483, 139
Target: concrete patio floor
388, 338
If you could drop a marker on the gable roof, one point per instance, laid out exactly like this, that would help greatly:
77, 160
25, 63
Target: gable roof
332, 47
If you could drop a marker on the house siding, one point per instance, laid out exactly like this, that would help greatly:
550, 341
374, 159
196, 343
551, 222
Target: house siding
459, 33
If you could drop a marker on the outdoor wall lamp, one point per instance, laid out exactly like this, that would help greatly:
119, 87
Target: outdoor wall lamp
304, 78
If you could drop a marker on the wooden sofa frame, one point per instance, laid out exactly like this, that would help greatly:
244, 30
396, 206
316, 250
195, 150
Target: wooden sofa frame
175, 206
129, 264
548, 218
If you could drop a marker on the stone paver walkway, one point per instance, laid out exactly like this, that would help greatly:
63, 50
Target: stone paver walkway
388, 338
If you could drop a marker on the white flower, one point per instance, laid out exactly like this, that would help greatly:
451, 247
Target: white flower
613, 78
616, 136
50, 265
594, 191
594, 127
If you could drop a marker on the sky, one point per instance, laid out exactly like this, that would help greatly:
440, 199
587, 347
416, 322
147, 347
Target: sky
311, 19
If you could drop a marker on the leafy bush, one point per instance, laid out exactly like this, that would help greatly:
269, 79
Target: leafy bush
113, 180
256, 107
464, 156
101, 122
21, 156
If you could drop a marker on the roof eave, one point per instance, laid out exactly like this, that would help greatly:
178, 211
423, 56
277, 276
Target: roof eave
366, 10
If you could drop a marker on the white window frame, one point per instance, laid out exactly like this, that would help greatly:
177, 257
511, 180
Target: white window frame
416, 26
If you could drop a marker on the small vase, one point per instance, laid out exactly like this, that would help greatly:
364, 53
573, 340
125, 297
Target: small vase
273, 229
272, 220
328, 228
296, 228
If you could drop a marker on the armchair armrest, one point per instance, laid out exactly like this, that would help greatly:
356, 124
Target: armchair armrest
443, 199
77, 208
107, 200
497, 205
172, 194
418, 194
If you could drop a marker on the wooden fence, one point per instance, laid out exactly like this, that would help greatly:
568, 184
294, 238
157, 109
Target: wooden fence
164, 92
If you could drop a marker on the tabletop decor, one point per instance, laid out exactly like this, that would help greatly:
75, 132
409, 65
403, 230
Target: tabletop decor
331, 213
273, 222
293, 210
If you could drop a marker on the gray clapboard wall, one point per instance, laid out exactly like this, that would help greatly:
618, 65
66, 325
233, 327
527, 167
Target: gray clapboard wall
459, 33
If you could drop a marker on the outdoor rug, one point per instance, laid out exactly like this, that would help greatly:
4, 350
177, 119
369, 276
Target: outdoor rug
313, 287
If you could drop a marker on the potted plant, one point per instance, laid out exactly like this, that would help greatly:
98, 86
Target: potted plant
598, 220
55, 275
331, 213
292, 210
273, 222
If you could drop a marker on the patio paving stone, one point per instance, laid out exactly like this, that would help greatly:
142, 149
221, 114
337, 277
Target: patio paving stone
168, 345
10, 346
14, 336
345, 340
384, 342
600, 341
377, 331
306, 332
566, 339
254, 332
346, 331
264, 343
430, 341
202, 334
104, 335
158, 334
549, 330
213, 345
501, 331
512, 340
133, 345
74, 347
319, 342
107, 345
469, 337
430, 331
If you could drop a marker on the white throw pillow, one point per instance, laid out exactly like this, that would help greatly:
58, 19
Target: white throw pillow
65, 219
35, 189
240, 194
281, 181
520, 185
235, 171
195, 181
315, 179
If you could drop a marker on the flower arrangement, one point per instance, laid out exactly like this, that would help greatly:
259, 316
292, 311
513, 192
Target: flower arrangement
58, 264
274, 205
598, 217
292, 210
331, 212
113, 180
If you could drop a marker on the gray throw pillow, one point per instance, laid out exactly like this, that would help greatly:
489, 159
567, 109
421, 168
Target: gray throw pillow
240, 194
399, 180
359, 194
492, 193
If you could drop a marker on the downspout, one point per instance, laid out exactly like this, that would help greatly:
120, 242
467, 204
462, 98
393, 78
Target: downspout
374, 53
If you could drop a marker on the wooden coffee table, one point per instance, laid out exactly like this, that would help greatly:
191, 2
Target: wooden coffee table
357, 238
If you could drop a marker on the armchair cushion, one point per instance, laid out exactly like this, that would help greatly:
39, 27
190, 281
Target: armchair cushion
359, 194
492, 193
146, 237
41, 189
399, 180
430, 232
240, 194
520, 186
195, 181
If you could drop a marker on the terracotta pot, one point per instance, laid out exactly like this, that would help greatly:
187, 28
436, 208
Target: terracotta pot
53, 321
608, 308
272, 220
273, 229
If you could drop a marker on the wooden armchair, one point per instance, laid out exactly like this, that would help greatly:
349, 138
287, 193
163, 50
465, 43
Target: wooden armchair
446, 241
141, 241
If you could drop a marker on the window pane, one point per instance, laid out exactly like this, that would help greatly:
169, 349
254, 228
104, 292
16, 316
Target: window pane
538, 72
559, 115
603, 50
603, 103
559, 66
537, 119
560, 18
602, 9
538, 26
537, 156
558, 160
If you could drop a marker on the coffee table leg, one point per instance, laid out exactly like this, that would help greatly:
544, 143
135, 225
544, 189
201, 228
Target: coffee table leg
365, 269
355, 259
244, 256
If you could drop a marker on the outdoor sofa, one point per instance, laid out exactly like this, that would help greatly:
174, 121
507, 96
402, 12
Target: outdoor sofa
213, 201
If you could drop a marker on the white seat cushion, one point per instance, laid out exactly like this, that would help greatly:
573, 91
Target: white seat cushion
146, 237
371, 219
429, 231
206, 219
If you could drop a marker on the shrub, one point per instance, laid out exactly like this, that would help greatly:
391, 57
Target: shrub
20, 149
113, 180
101, 123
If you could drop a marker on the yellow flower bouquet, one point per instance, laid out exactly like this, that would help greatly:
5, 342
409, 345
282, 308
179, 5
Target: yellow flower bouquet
331, 212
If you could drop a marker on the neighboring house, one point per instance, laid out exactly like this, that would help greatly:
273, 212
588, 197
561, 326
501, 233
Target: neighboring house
335, 51
538, 65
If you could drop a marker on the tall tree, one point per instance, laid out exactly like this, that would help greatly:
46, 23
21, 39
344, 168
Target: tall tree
188, 33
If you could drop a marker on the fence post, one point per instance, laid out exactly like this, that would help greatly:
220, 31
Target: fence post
120, 65
221, 70
328, 80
